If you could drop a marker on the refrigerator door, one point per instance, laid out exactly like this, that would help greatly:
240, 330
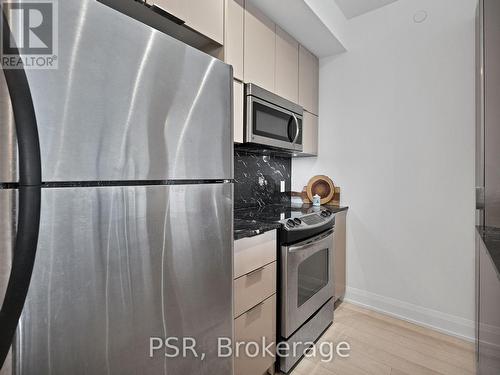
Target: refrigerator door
117, 266
8, 145
127, 102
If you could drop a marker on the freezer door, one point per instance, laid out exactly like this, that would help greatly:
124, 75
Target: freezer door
127, 102
117, 266
8, 208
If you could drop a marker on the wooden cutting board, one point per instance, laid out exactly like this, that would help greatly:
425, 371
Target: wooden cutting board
323, 186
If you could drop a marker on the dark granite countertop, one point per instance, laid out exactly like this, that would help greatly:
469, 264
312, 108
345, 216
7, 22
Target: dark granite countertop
252, 221
251, 228
491, 239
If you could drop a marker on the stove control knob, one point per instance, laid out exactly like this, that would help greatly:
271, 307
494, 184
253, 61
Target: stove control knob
290, 223
324, 214
297, 221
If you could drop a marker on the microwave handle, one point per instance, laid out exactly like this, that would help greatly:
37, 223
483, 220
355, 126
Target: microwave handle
297, 133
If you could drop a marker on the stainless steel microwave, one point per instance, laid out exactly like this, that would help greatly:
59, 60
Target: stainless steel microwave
271, 120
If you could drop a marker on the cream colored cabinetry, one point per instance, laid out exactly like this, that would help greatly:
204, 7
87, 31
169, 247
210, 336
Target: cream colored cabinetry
206, 17
253, 288
253, 253
259, 48
238, 111
254, 325
310, 134
176, 8
339, 272
287, 66
308, 81
264, 54
203, 16
234, 18
255, 299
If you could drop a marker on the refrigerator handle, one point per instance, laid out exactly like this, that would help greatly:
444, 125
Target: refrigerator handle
28, 220
30, 167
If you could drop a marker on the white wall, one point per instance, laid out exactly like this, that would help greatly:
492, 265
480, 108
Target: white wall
397, 134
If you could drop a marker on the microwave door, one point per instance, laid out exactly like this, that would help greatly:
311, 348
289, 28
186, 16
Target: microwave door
271, 125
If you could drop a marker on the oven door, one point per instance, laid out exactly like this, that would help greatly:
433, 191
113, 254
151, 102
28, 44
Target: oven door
271, 125
306, 280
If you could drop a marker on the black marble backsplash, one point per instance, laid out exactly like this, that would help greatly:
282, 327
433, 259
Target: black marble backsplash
258, 179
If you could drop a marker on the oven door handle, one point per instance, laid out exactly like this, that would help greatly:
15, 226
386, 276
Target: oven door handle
312, 243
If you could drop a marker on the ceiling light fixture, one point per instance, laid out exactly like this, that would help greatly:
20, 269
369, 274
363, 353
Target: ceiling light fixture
420, 16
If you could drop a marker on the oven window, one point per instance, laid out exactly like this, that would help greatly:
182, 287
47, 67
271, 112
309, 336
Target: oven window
313, 276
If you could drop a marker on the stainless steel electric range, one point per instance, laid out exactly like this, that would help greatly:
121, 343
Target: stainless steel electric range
306, 281
305, 276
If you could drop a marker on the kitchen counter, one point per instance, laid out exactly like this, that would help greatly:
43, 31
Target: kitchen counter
252, 221
250, 228
491, 238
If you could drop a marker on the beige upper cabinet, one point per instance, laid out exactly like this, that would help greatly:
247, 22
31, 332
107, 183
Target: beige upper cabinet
287, 66
233, 35
310, 134
238, 111
259, 48
308, 81
175, 7
206, 17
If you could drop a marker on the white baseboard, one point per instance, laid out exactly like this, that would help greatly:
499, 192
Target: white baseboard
436, 320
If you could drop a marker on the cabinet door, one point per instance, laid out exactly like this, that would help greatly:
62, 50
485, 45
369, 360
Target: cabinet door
260, 48
256, 324
206, 17
176, 8
310, 133
254, 252
287, 66
233, 35
339, 271
253, 288
308, 80
238, 111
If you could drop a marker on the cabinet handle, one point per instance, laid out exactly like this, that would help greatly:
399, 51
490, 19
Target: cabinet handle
257, 305
255, 271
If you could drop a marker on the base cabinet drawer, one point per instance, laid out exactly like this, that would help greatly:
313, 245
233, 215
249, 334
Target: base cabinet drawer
253, 288
252, 326
254, 252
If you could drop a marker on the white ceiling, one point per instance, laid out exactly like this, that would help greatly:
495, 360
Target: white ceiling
354, 8
321, 35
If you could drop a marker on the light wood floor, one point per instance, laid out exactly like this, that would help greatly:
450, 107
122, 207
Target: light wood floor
387, 346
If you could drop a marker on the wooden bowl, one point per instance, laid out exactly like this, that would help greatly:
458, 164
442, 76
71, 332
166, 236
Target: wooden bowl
323, 186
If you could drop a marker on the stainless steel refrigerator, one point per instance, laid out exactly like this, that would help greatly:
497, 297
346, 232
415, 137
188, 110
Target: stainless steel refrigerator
115, 202
488, 113
487, 187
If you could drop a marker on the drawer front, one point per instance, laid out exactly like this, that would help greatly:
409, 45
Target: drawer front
254, 252
252, 326
253, 288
